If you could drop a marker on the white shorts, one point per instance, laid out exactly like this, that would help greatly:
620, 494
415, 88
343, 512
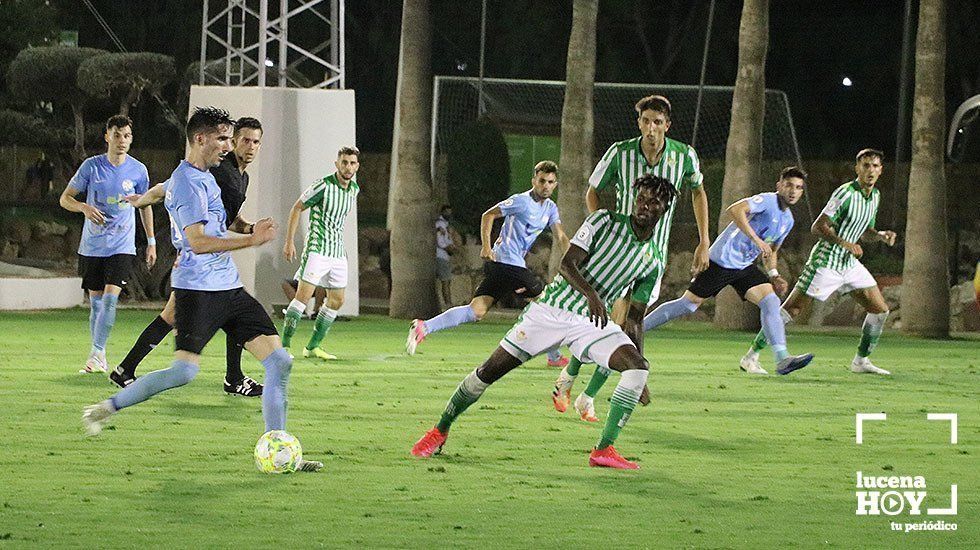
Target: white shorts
323, 271
542, 327
819, 283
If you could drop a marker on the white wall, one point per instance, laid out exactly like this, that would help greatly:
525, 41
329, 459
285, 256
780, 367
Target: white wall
302, 131
50, 293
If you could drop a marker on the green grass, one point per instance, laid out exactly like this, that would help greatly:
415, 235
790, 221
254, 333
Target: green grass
728, 460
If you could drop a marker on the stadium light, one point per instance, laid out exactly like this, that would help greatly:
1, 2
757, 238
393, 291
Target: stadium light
847, 82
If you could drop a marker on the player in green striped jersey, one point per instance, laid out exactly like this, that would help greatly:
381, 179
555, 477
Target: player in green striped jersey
324, 261
652, 152
611, 253
848, 217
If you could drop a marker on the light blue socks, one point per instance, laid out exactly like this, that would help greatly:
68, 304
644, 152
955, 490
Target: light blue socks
772, 326
104, 321
667, 311
148, 385
450, 318
93, 313
277, 367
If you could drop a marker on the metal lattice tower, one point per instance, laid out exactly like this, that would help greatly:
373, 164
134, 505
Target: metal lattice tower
243, 43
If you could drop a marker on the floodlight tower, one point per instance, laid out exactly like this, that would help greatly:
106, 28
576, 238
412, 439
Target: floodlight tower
244, 43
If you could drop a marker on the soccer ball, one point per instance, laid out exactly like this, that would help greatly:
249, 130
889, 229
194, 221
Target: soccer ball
277, 452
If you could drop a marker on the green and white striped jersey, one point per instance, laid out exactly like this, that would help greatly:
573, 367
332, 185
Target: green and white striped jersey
624, 162
329, 204
850, 213
616, 260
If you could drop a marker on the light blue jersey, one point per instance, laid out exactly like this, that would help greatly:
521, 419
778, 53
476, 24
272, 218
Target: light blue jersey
735, 250
524, 220
106, 187
194, 197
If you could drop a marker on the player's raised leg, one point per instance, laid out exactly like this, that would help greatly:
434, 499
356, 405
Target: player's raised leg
452, 317
125, 373
628, 360
468, 392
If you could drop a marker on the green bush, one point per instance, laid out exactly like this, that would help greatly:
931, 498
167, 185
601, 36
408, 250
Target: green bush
478, 169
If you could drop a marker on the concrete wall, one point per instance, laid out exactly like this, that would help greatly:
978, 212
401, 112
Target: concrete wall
302, 131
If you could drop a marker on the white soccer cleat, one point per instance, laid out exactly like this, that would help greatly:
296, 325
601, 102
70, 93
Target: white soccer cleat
416, 333
750, 364
96, 363
94, 416
862, 365
309, 466
585, 407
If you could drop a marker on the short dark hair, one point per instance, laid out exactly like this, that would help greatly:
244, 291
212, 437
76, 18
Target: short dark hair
662, 188
546, 166
207, 119
247, 122
349, 150
657, 103
118, 121
792, 172
869, 152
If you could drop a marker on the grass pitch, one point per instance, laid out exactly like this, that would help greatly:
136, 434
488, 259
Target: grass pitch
728, 459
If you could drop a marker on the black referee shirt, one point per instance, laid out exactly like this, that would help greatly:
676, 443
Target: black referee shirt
233, 184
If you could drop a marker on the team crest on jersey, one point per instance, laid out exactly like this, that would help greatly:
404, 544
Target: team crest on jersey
128, 186
521, 336
671, 161
757, 200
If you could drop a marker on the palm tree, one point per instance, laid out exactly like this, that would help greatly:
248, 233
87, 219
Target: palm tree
413, 293
925, 278
743, 153
577, 152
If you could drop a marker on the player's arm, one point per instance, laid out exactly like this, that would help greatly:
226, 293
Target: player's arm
633, 325
201, 243
153, 195
872, 235
146, 217
771, 263
570, 271
824, 229
289, 249
739, 212
591, 199
699, 200
486, 226
71, 204
605, 172
561, 238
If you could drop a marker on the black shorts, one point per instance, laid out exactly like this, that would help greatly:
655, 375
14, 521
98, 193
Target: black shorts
502, 280
200, 313
97, 272
710, 281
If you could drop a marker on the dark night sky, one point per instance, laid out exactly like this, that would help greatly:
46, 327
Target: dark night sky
813, 46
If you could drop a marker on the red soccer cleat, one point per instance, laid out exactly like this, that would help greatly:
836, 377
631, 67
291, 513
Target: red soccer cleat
430, 444
609, 458
561, 363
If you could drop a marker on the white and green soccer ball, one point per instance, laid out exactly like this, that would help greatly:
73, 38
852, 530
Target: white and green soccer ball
277, 452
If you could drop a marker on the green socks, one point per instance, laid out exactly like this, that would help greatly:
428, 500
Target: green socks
874, 323
624, 400
573, 367
599, 378
289, 324
759, 343
467, 393
324, 318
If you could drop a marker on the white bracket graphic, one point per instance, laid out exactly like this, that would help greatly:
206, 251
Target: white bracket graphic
952, 430
859, 419
951, 511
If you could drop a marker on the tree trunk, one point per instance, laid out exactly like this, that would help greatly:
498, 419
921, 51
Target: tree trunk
413, 248
131, 98
79, 150
743, 152
577, 154
925, 278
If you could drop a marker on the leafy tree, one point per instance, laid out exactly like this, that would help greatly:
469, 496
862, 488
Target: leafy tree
25, 23
125, 76
478, 169
39, 75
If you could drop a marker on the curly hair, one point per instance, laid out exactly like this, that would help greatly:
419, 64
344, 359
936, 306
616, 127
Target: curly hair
661, 187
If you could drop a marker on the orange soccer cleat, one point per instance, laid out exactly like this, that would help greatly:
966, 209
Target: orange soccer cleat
430, 443
609, 458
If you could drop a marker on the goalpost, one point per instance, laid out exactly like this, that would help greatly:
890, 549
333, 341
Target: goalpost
528, 112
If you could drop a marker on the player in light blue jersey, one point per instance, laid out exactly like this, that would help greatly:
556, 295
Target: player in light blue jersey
108, 244
759, 225
525, 215
208, 294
